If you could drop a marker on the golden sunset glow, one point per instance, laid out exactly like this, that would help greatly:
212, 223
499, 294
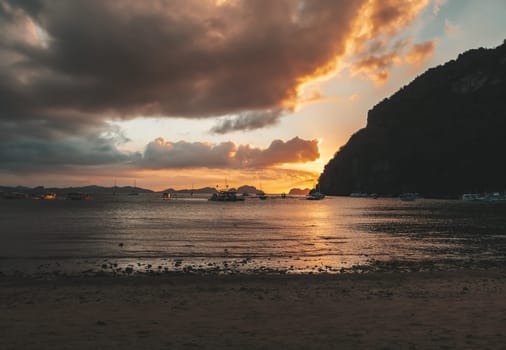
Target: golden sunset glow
207, 90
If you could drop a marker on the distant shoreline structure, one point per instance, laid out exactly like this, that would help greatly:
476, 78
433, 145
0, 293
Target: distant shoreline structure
39, 192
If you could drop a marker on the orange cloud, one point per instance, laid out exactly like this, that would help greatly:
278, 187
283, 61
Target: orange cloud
436, 7
375, 46
420, 52
376, 67
391, 16
354, 97
377, 62
315, 96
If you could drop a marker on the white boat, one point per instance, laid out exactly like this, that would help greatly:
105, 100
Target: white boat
315, 196
226, 196
484, 197
471, 197
496, 197
166, 196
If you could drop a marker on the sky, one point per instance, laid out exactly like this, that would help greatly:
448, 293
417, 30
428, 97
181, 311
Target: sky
194, 93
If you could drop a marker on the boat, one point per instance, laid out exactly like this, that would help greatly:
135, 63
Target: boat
315, 196
48, 196
226, 196
359, 195
408, 197
78, 196
496, 197
472, 197
14, 195
166, 196
261, 195
484, 197
134, 191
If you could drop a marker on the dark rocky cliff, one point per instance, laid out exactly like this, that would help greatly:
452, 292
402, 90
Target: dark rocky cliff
441, 135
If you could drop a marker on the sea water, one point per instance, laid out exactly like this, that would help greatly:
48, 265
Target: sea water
144, 234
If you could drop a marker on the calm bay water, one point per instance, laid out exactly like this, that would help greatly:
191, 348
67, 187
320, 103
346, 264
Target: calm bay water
134, 234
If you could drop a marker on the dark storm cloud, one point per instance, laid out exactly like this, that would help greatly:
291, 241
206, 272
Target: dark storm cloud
171, 58
248, 121
161, 154
27, 153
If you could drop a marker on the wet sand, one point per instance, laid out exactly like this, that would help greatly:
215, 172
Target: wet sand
463, 309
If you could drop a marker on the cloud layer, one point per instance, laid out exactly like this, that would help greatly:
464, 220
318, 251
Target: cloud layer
176, 58
193, 58
248, 121
67, 68
34, 154
161, 154
29, 152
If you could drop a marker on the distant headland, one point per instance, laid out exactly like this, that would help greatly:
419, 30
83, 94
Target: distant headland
444, 134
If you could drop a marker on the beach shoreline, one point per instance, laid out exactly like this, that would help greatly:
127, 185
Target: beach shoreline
439, 309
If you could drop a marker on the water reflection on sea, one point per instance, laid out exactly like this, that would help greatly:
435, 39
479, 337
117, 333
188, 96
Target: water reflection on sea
133, 234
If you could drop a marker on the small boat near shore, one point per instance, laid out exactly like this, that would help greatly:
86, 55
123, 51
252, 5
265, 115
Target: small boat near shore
315, 196
484, 197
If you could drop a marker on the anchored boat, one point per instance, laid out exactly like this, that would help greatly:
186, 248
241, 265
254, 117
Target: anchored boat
226, 196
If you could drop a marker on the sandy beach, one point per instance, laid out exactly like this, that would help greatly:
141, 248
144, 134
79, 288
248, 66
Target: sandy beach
463, 309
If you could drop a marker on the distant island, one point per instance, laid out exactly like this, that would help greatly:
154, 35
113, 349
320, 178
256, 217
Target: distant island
93, 189
299, 192
442, 135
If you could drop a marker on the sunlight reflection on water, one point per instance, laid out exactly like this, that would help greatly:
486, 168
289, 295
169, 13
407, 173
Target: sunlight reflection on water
112, 233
